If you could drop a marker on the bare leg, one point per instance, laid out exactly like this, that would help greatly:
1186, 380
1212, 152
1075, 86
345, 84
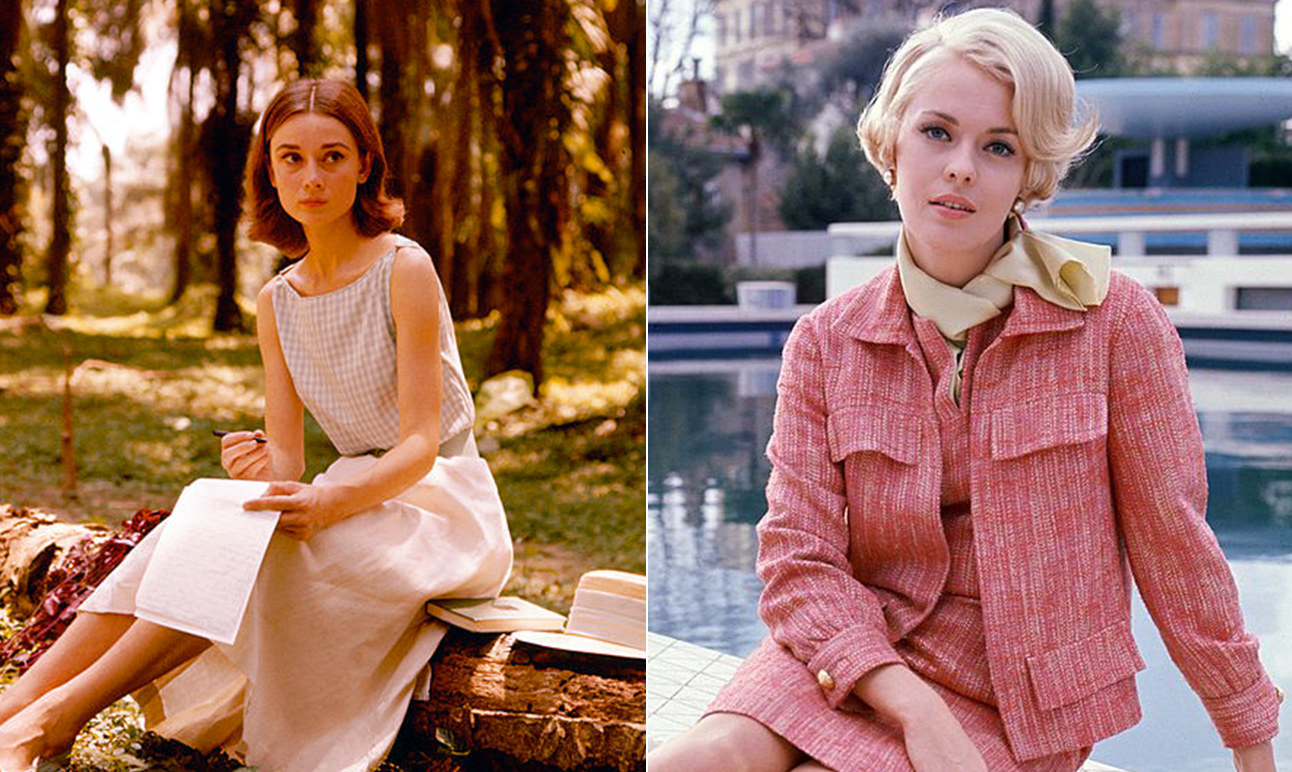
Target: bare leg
725, 741
48, 726
81, 643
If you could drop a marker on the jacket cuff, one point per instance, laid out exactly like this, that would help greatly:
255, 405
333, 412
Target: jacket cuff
1246, 717
845, 658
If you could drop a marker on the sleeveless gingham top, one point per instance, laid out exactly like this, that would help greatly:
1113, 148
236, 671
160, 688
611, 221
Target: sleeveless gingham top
340, 351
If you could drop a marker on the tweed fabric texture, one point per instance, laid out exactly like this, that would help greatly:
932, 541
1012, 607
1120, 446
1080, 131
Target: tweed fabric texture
947, 649
949, 646
1085, 470
340, 351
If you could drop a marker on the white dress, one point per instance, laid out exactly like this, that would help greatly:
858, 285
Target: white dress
335, 635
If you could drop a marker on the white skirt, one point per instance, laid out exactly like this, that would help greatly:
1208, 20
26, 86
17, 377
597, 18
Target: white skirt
335, 635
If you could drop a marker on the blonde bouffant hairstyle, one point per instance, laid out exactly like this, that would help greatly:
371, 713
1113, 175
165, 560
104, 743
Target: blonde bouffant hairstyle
1007, 48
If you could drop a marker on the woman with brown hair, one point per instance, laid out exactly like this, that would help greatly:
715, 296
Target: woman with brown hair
335, 636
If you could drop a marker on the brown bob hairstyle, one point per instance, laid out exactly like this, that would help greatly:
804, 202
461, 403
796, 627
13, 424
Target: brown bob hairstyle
374, 210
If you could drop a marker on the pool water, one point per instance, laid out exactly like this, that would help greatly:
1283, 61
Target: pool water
709, 423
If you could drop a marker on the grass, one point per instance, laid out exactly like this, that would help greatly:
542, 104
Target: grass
151, 382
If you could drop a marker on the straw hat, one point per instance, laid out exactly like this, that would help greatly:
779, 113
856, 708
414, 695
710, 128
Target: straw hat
608, 617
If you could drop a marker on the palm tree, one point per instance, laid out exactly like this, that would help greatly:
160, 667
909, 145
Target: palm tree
13, 128
60, 244
757, 117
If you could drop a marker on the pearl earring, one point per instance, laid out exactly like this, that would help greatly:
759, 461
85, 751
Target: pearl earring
1019, 206
889, 177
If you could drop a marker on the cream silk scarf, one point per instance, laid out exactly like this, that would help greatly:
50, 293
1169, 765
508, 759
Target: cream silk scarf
1067, 273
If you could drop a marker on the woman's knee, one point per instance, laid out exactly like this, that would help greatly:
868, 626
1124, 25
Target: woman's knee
727, 742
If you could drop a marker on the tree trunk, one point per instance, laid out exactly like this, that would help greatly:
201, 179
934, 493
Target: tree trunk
107, 216
456, 182
13, 132
304, 43
532, 167
488, 249
627, 107
228, 139
392, 32
361, 47
421, 224
606, 236
410, 153
461, 185
637, 129
478, 260
182, 178
60, 245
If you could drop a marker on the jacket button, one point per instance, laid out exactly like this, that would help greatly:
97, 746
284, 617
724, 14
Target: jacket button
825, 680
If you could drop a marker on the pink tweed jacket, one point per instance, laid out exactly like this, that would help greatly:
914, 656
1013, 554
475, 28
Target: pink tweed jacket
1087, 469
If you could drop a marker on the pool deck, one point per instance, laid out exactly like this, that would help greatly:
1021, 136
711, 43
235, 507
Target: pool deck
681, 680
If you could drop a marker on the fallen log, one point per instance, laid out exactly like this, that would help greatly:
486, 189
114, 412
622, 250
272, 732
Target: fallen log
512, 706
33, 546
50, 568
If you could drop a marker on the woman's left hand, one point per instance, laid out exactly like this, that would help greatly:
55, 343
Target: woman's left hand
1255, 758
306, 509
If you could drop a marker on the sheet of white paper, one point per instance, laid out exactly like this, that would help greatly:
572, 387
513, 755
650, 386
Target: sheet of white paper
200, 576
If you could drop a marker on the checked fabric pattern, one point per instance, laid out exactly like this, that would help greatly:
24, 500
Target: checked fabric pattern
340, 350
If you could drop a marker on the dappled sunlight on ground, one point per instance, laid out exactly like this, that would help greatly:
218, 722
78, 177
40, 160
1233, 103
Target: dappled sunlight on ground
152, 383
146, 397
592, 310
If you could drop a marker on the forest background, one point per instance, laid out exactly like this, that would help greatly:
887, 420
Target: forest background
515, 131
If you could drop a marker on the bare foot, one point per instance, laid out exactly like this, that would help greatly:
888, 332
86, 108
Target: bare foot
39, 731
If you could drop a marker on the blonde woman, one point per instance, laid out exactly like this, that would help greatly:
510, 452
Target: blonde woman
973, 456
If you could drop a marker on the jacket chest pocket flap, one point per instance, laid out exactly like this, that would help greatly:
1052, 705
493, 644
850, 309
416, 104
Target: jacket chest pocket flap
1077, 670
874, 428
1070, 419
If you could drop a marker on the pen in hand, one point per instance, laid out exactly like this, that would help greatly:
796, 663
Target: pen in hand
222, 432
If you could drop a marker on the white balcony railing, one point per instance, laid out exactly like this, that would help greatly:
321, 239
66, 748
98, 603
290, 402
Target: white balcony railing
1222, 229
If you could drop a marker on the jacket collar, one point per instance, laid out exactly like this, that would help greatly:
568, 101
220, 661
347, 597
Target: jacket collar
878, 314
1034, 314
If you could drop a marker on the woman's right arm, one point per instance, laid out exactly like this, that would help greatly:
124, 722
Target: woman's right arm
283, 457
811, 601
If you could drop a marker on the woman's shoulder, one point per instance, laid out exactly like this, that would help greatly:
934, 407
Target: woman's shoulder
402, 244
1127, 298
1123, 289
271, 287
858, 305
410, 260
